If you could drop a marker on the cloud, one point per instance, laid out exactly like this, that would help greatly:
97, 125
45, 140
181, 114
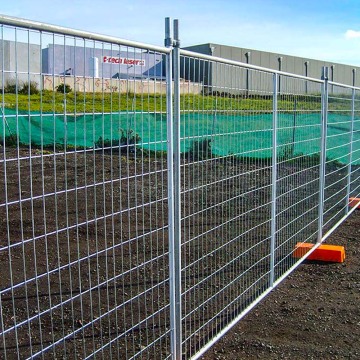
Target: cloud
352, 34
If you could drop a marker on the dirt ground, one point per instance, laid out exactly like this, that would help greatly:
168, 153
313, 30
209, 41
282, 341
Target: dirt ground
63, 277
313, 314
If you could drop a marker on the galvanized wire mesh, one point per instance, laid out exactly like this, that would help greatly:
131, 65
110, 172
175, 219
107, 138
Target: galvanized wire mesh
298, 169
84, 239
339, 168
225, 202
142, 224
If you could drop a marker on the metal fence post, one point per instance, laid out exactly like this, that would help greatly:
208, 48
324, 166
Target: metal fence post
177, 189
173, 158
351, 145
322, 169
247, 55
274, 177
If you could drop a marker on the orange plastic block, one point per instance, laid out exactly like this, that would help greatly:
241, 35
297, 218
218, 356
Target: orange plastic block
331, 253
354, 202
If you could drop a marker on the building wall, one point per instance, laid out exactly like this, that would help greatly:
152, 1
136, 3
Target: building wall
25, 62
21, 62
222, 76
77, 61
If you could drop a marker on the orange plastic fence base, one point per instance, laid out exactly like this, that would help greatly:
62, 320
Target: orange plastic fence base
331, 253
354, 202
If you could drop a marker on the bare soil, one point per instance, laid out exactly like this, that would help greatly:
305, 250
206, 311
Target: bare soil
72, 198
313, 314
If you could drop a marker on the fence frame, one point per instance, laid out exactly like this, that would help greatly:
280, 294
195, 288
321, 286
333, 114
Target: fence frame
173, 53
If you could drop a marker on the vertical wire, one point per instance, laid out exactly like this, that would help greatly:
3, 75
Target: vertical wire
19, 185
206, 105
112, 207
193, 227
42, 195
31, 190
84, 182
97, 198
351, 142
219, 194
6, 203
138, 193
103, 205
123, 227
129, 191
142, 222
5, 177
119, 97
136, 304
66, 195
208, 162
59, 196
88, 203
45, 208
56, 227
151, 240
80, 321
232, 186
155, 158
106, 247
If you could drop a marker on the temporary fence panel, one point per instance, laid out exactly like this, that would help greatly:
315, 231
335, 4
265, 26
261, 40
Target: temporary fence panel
297, 170
84, 238
226, 177
340, 148
145, 223
244, 210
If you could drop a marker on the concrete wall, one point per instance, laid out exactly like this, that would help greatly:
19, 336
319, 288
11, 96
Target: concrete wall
82, 84
21, 62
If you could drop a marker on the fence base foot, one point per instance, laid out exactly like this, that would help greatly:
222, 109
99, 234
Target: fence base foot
330, 253
354, 202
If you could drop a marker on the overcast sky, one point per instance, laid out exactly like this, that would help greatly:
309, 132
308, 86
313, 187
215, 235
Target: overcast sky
319, 29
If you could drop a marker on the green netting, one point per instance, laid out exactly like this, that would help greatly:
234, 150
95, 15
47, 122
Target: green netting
237, 134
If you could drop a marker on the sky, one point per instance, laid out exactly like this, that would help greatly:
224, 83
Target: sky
318, 29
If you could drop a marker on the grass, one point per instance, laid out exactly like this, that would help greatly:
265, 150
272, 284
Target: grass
50, 101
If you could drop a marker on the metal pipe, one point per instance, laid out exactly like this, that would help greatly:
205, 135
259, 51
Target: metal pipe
274, 178
322, 169
177, 191
36, 25
306, 74
170, 183
348, 189
280, 59
247, 55
173, 156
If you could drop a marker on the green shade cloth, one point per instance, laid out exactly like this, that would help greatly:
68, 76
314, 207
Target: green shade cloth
242, 134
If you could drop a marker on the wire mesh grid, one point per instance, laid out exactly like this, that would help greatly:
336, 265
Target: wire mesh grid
84, 239
97, 198
298, 169
265, 166
340, 148
225, 200
354, 185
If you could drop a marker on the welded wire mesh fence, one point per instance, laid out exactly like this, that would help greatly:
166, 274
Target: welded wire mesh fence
84, 235
143, 215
